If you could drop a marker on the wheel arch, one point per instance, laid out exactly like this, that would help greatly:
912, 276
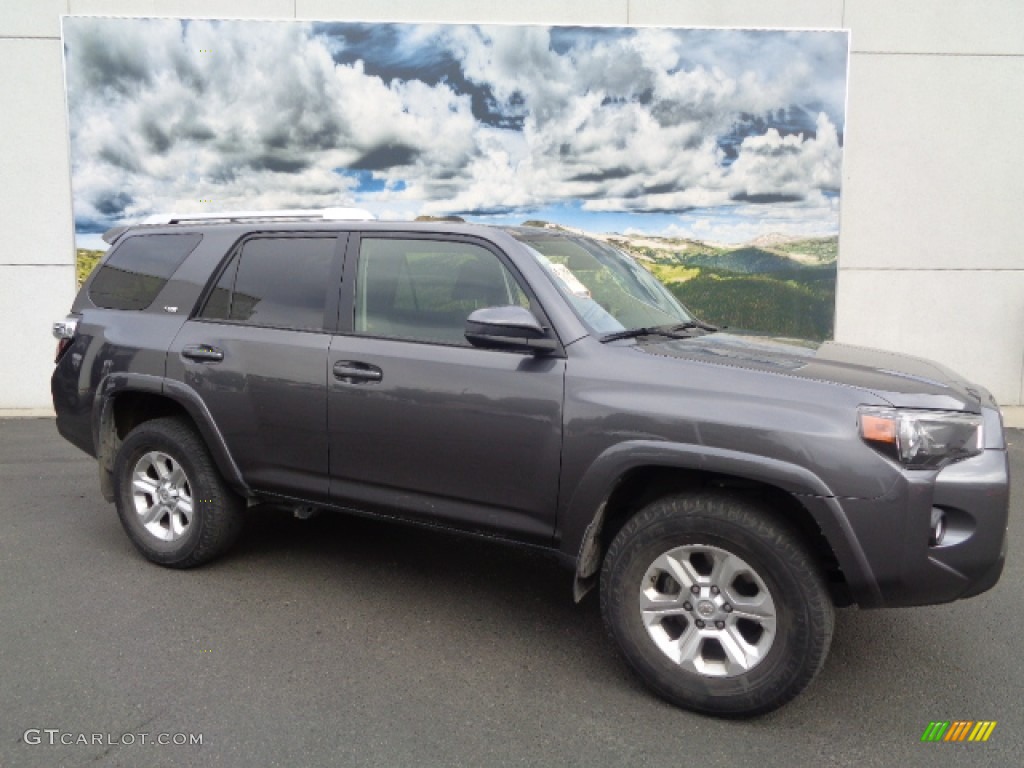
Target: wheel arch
126, 400
629, 476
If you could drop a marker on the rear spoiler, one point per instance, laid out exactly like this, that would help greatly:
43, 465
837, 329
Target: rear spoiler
111, 235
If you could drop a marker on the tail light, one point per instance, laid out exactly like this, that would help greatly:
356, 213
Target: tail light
64, 332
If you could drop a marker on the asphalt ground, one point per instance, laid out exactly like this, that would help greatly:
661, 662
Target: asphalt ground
347, 642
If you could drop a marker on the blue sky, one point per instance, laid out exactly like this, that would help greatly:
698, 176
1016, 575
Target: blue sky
721, 135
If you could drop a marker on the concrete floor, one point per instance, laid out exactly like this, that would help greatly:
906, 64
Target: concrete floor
345, 642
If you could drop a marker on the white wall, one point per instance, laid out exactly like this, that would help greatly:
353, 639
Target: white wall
37, 260
930, 256
931, 249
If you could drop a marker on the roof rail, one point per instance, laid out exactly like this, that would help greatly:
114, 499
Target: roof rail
322, 214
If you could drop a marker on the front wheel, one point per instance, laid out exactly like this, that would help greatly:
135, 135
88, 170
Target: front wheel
715, 605
173, 504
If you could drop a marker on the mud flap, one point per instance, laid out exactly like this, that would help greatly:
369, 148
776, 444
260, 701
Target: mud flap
589, 561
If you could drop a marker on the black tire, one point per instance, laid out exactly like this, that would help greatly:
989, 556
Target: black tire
716, 530
193, 524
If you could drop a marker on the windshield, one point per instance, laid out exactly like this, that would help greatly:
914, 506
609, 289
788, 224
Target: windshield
608, 289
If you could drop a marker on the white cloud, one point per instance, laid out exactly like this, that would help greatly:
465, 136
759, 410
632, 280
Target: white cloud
741, 224
262, 121
260, 115
788, 166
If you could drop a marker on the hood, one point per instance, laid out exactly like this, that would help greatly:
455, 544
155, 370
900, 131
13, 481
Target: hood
902, 380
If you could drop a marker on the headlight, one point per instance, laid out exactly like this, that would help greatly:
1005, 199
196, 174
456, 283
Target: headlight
921, 439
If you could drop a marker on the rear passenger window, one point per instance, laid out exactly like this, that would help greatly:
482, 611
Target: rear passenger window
275, 282
138, 269
425, 289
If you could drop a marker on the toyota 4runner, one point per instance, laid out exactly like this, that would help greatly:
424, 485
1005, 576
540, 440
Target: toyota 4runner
724, 491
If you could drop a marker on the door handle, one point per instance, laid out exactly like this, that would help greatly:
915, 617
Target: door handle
202, 353
354, 372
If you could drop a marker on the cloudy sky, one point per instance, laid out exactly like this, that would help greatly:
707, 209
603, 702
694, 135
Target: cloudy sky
717, 134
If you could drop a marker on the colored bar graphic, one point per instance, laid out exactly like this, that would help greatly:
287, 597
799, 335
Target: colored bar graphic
958, 730
982, 730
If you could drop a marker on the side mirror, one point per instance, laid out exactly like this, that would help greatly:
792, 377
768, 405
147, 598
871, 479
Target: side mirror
510, 328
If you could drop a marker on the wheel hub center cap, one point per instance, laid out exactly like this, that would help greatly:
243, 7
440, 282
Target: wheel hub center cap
164, 494
706, 608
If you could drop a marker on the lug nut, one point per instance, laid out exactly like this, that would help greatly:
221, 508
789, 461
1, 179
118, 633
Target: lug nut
714, 590
695, 589
687, 606
699, 623
727, 608
720, 624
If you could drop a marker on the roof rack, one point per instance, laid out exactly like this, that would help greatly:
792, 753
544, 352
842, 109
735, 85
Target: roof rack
323, 214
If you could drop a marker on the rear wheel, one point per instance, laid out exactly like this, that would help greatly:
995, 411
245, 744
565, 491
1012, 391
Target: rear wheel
716, 605
173, 504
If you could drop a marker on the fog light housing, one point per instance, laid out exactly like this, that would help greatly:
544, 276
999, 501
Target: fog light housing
938, 528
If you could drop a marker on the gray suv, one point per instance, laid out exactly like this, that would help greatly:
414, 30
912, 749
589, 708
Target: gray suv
725, 491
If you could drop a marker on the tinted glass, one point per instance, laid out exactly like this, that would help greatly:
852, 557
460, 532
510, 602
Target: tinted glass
608, 289
218, 306
138, 268
425, 289
276, 282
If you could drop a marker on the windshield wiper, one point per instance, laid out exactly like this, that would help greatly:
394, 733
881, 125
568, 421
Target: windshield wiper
689, 324
671, 331
632, 333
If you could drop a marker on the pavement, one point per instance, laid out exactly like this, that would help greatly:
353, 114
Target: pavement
347, 642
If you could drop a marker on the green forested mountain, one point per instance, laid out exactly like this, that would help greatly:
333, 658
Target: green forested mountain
774, 284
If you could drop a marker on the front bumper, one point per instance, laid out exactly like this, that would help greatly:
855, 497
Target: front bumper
892, 532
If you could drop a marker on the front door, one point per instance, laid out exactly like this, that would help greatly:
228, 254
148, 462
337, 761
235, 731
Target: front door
421, 422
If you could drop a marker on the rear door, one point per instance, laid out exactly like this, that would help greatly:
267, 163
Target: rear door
420, 421
256, 353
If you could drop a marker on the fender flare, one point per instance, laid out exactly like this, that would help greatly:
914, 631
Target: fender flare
584, 515
116, 384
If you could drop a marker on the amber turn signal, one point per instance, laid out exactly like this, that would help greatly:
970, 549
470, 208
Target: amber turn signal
878, 429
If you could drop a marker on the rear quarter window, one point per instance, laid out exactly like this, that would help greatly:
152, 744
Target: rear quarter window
138, 269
